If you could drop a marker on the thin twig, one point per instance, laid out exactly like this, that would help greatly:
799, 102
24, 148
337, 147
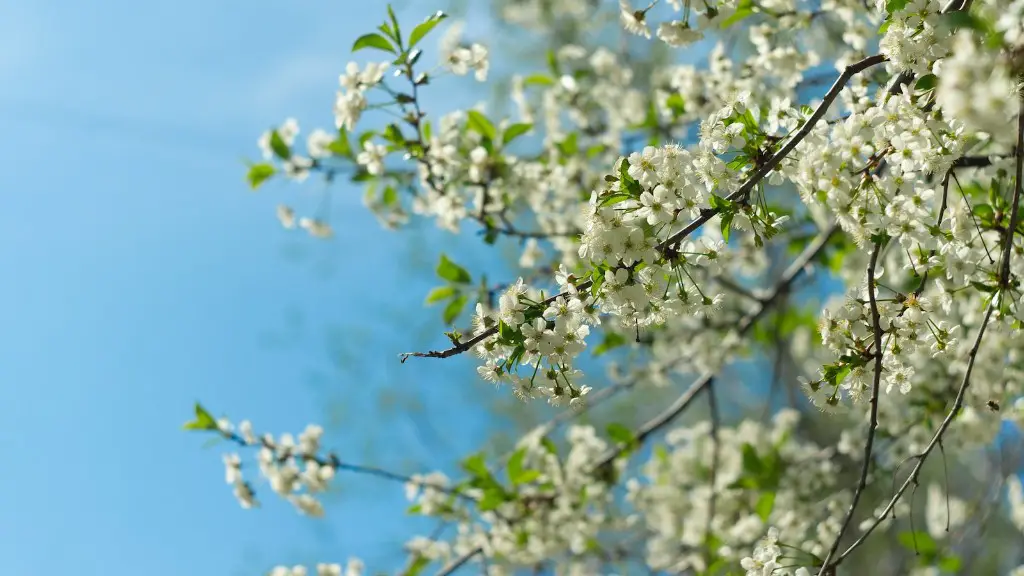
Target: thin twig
745, 324
1004, 279
459, 562
706, 214
873, 423
715, 425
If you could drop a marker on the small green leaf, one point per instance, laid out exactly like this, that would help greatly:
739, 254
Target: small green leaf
476, 465
492, 499
515, 464
620, 434
452, 272
440, 293
424, 27
676, 104
454, 308
736, 17
373, 40
278, 146
568, 146
394, 24
340, 146
538, 80
751, 461
204, 420
514, 131
950, 564
926, 82
984, 212
726, 225
918, 541
764, 506
549, 445
417, 566
259, 173
611, 341
895, 5
479, 123
553, 63
958, 19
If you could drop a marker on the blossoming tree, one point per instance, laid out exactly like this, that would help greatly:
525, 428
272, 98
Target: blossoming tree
670, 221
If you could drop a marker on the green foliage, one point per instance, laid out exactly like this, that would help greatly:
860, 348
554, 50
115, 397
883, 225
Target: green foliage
259, 173
423, 28
440, 293
448, 270
454, 308
482, 125
611, 341
514, 131
204, 420
278, 146
373, 40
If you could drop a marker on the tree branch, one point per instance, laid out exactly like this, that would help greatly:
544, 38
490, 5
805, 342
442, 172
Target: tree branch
705, 215
1004, 278
873, 423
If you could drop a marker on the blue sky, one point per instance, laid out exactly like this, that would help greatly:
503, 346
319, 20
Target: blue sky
142, 275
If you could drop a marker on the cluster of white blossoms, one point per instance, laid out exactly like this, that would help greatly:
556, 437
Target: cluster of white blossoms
554, 506
354, 567
291, 466
761, 478
666, 200
543, 336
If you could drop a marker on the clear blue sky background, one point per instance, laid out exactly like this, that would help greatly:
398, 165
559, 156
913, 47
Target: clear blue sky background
142, 275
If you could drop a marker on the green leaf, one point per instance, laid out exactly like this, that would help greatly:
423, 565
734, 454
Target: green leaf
751, 461
549, 445
476, 465
958, 19
394, 25
454, 308
340, 146
676, 104
515, 464
424, 27
918, 541
895, 5
538, 80
736, 17
514, 131
764, 506
568, 146
553, 63
417, 566
259, 173
390, 195
440, 293
204, 420
926, 82
726, 225
984, 211
452, 272
373, 40
950, 564
611, 341
277, 144
479, 123
620, 434
492, 499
